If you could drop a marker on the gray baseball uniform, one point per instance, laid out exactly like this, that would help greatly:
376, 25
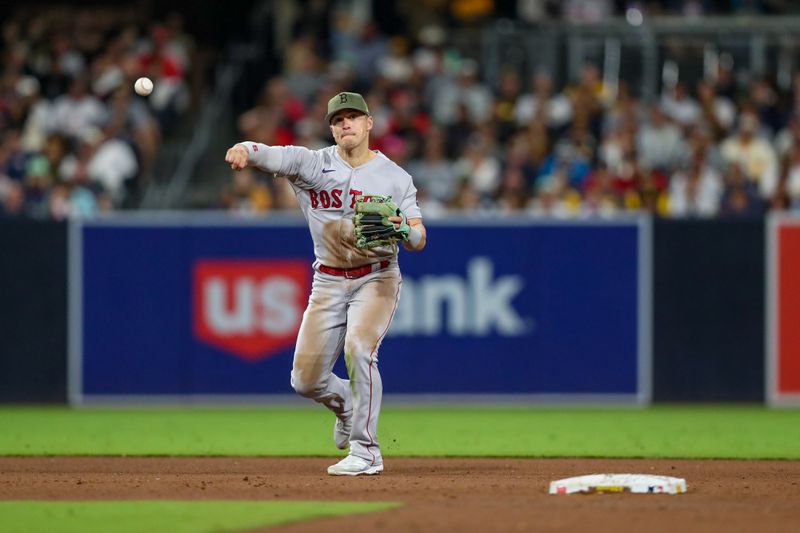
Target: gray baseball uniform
344, 311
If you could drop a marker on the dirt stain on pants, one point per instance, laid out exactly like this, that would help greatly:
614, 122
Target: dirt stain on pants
354, 315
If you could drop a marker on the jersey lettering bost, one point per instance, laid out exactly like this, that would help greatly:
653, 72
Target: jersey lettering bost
326, 187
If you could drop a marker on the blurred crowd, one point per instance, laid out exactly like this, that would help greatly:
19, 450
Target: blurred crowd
75, 139
713, 147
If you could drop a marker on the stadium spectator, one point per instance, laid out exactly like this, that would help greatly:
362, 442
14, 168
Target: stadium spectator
601, 198
554, 109
459, 132
505, 102
37, 112
513, 194
246, 194
695, 191
304, 68
466, 198
467, 91
765, 101
788, 137
273, 119
367, 51
432, 172
659, 142
741, 197
77, 111
679, 105
753, 154
717, 111
12, 197
478, 166
572, 154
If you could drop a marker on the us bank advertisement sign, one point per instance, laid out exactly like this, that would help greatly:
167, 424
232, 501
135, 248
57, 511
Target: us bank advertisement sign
178, 308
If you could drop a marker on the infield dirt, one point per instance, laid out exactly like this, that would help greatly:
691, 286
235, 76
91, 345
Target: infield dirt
437, 494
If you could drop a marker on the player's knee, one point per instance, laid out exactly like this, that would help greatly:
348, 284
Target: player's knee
305, 389
308, 388
357, 351
354, 346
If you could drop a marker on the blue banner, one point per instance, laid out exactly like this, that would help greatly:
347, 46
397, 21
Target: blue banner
212, 308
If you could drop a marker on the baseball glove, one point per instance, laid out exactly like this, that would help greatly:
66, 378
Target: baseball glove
372, 225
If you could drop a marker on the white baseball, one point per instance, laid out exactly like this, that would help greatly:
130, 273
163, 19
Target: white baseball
143, 86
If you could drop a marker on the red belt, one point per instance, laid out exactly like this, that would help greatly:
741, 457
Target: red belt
353, 273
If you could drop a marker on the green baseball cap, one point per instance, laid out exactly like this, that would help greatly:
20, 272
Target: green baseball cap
346, 101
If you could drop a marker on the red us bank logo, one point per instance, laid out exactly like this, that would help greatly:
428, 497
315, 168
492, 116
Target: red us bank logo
250, 308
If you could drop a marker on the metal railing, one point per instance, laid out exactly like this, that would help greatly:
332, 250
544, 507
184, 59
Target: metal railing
645, 54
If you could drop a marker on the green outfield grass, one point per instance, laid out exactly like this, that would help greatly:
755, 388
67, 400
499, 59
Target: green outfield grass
670, 432
166, 516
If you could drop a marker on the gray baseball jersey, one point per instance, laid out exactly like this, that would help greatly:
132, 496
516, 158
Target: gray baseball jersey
326, 187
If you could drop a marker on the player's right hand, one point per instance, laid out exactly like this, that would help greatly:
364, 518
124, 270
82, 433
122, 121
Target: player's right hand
237, 157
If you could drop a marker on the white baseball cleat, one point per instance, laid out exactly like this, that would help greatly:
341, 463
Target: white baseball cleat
354, 466
341, 431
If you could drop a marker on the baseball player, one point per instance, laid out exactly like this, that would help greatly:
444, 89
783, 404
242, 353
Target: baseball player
359, 205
